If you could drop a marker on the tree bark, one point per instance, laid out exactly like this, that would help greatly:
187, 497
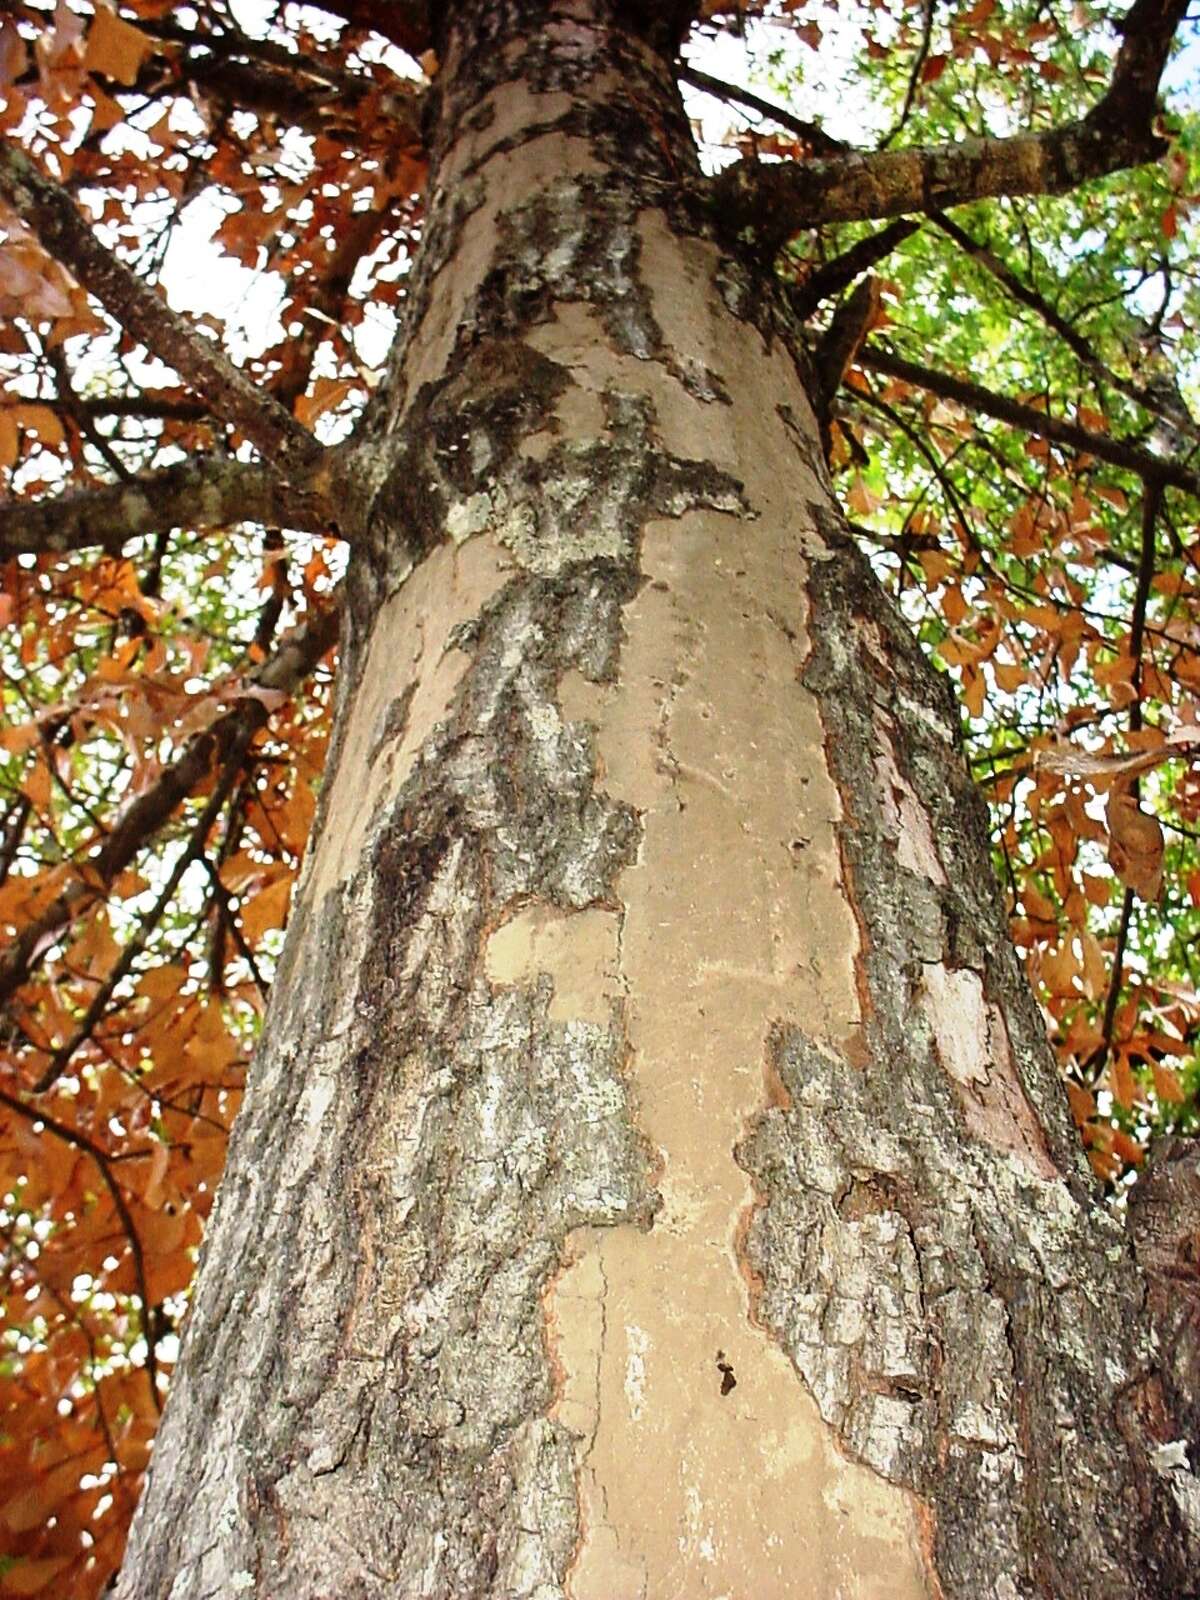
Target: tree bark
653, 1179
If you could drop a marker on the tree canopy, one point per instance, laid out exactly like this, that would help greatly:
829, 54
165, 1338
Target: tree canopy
1000, 279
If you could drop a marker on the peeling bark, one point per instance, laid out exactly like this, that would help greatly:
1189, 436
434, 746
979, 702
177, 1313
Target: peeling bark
652, 1180
931, 1251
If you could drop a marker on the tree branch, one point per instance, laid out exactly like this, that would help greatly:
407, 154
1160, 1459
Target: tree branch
406, 23
205, 492
831, 277
779, 199
255, 75
103, 1162
1151, 468
914, 77
286, 670
1151, 505
142, 408
48, 210
197, 838
1026, 295
811, 132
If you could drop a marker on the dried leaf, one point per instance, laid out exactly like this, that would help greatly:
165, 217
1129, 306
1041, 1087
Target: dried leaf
115, 48
1167, 1084
267, 910
1135, 845
1122, 1081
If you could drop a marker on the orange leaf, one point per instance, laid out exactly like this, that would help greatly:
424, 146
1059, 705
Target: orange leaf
935, 564
39, 419
31, 1577
1167, 1085
1116, 498
20, 737
9, 441
1095, 968
1128, 1149
160, 1158
1037, 906
1010, 675
267, 910
107, 112
115, 48
1096, 421
954, 607
1121, 1081
327, 394
1135, 845
36, 787
1083, 1103
1104, 1165
861, 499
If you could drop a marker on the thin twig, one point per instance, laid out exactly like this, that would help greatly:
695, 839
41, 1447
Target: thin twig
81, 1142
1119, 452
137, 943
914, 76
49, 211
1028, 296
1150, 508
811, 132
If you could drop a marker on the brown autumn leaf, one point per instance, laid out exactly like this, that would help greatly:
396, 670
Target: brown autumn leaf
1135, 845
1122, 1081
1167, 1085
38, 419
1129, 1150
1103, 768
268, 909
327, 394
115, 49
29, 1576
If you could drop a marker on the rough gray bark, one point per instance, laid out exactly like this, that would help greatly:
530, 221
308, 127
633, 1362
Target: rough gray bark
653, 1178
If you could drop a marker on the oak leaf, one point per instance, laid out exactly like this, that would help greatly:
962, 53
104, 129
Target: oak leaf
1135, 845
115, 49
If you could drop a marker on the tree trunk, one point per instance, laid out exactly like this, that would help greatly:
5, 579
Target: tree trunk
653, 1180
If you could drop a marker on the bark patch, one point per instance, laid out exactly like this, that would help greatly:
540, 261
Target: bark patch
929, 1249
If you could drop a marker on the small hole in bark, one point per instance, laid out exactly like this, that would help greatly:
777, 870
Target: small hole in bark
728, 1381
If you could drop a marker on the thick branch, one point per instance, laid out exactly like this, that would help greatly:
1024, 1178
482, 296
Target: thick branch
256, 75
151, 809
47, 208
407, 23
1151, 468
207, 492
142, 407
778, 200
